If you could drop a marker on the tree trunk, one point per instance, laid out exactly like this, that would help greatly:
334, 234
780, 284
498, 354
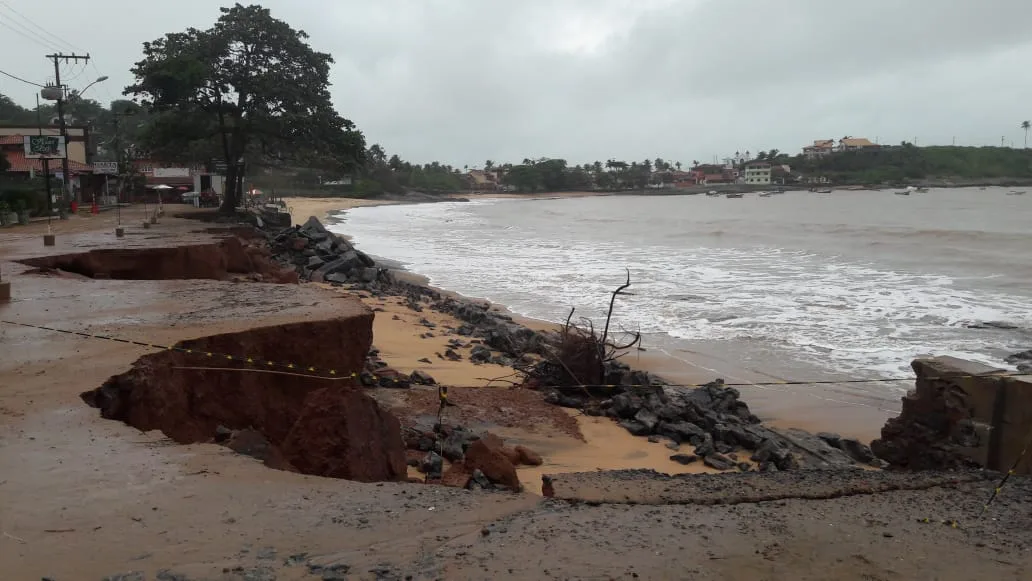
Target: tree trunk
231, 194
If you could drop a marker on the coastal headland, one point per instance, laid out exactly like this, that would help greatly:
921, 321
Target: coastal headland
182, 487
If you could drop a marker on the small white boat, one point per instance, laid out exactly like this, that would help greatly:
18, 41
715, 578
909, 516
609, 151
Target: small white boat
766, 194
712, 193
823, 191
736, 195
922, 190
903, 193
1016, 193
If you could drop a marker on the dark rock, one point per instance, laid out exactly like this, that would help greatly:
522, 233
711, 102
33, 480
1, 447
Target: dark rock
480, 354
705, 446
420, 377
768, 467
684, 458
833, 440
655, 439
222, 433
478, 480
723, 448
166, 575
314, 226
744, 467
718, 462
452, 448
747, 436
425, 444
432, 465
673, 445
722, 433
772, 451
132, 576
856, 450
338, 572
635, 427
337, 277
681, 431
452, 355
1019, 357
647, 419
625, 405
315, 262
466, 330
427, 323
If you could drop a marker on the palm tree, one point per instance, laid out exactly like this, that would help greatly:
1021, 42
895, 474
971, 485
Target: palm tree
773, 154
1026, 125
488, 165
677, 164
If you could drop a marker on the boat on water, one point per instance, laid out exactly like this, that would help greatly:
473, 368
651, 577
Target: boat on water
736, 195
922, 190
766, 194
1016, 193
712, 193
903, 193
823, 191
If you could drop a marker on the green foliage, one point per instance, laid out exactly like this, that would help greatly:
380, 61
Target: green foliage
249, 87
893, 164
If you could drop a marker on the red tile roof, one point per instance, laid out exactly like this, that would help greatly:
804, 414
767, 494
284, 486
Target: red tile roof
20, 164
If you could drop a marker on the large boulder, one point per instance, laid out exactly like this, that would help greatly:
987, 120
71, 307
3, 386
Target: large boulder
493, 463
344, 433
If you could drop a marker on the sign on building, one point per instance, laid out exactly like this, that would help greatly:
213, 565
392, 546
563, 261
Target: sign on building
45, 147
171, 172
105, 167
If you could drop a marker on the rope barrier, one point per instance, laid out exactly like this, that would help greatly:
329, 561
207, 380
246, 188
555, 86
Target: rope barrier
316, 372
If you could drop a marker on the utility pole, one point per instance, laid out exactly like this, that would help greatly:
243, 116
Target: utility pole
57, 57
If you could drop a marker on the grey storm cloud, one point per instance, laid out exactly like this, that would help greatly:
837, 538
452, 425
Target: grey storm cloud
462, 81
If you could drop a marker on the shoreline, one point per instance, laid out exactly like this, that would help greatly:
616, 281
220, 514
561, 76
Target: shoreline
801, 408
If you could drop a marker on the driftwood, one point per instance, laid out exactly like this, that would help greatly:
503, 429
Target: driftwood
580, 355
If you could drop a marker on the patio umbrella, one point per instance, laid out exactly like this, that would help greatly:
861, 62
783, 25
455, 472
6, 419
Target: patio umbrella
161, 187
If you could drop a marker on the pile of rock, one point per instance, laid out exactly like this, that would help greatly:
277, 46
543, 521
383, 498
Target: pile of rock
319, 255
1022, 360
718, 424
476, 461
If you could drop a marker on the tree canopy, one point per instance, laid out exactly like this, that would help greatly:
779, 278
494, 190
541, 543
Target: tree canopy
248, 88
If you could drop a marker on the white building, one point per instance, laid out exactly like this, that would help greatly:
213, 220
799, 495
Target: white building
757, 173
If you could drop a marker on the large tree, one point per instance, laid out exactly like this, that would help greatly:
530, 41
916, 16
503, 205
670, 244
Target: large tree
249, 87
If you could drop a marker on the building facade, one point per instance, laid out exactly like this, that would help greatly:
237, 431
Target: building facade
819, 149
757, 173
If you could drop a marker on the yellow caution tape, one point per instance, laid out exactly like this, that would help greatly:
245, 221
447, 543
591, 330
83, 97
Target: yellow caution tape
333, 374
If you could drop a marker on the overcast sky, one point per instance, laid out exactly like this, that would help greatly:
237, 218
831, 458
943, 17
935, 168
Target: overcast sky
462, 81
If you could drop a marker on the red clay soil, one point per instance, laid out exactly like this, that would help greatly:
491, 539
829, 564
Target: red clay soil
320, 427
343, 433
501, 406
215, 261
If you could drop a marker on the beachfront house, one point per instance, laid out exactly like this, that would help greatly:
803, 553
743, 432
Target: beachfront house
856, 144
758, 173
820, 148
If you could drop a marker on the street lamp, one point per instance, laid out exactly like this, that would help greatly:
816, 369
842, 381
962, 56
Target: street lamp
99, 80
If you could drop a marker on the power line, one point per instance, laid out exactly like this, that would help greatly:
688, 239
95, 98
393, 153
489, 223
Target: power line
36, 26
28, 34
21, 79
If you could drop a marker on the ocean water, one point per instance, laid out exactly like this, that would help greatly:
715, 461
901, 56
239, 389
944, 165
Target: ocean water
852, 284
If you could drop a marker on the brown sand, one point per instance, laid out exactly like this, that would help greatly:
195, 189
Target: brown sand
303, 208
